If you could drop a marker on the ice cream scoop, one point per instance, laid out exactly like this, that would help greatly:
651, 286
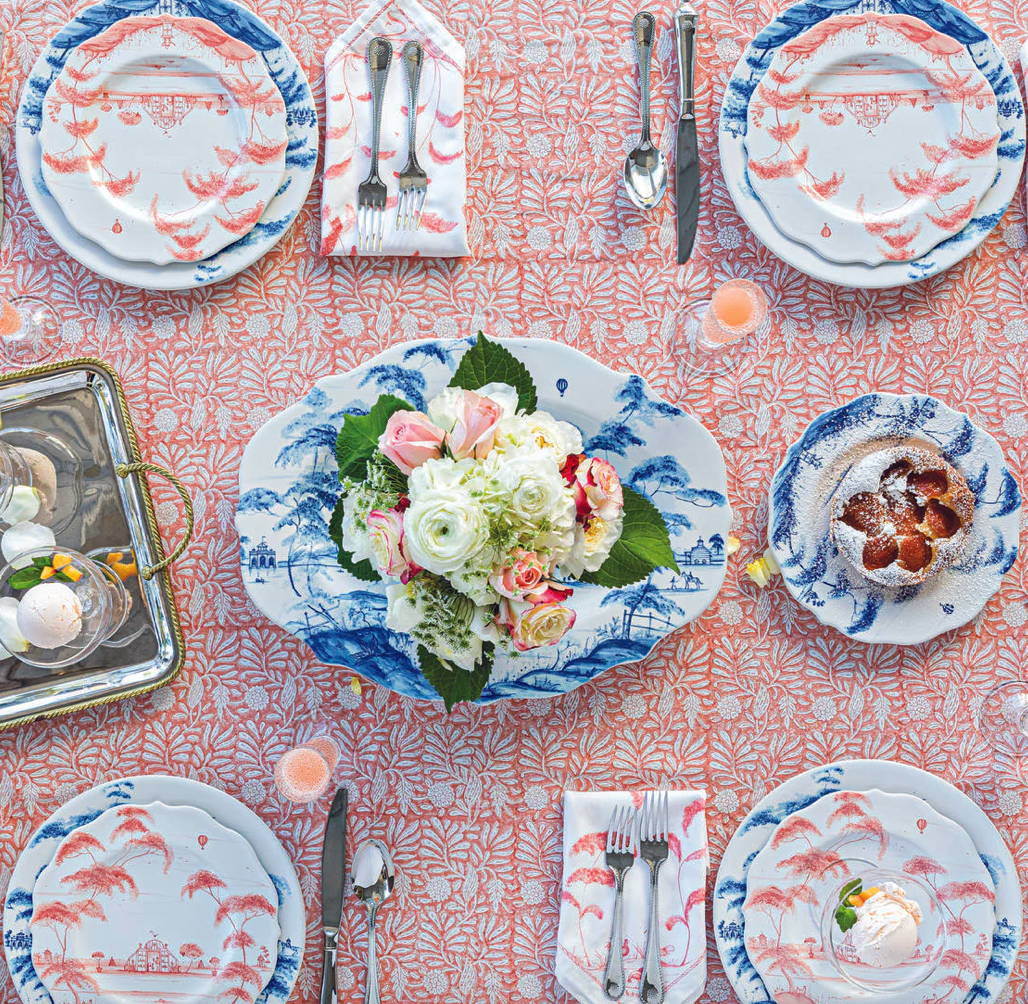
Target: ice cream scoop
885, 933
50, 615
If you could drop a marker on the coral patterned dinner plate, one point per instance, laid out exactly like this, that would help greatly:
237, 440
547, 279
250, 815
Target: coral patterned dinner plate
751, 70
163, 138
301, 155
824, 582
799, 871
26, 956
872, 138
288, 486
803, 790
156, 900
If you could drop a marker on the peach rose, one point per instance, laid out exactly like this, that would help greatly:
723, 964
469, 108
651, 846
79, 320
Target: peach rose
474, 428
601, 486
522, 573
410, 438
388, 546
535, 625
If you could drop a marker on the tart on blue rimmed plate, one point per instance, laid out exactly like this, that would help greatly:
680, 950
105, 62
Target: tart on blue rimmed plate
289, 486
805, 493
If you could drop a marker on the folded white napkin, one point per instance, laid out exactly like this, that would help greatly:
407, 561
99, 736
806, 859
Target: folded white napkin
587, 899
440, 137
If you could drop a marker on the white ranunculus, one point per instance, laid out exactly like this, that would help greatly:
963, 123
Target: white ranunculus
440, 475
592, 545
546, 432
503, 394
446, 529
537, 493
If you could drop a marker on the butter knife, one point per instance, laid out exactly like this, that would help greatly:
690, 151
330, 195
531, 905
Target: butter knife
687, 157
333, 877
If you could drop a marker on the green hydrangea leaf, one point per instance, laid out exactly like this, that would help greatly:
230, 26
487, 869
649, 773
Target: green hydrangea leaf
644, 545
452, 683
362, 570
357, 442
25, 577
489, 362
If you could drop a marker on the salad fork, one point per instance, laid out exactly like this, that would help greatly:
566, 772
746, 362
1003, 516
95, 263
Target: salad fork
371, 194
653, 848
620, 856
413, 180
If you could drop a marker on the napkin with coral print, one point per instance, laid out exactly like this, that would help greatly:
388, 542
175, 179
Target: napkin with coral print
440, 136
587, 899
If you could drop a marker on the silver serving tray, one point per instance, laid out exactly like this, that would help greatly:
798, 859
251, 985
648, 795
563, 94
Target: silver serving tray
82, 403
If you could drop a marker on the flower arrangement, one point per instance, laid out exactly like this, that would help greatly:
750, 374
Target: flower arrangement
481, 512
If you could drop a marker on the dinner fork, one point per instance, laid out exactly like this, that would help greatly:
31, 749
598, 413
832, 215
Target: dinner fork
371, 195
653, 846
413, 180
620, 858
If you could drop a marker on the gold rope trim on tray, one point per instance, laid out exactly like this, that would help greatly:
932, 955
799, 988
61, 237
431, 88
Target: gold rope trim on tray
161, 568
123, 471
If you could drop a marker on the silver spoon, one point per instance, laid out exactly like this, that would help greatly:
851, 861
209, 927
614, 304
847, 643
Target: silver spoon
646, 166
372, 877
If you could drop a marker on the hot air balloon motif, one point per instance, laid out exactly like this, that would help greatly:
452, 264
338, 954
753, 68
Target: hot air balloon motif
117, 228
562, 385
921, 825
202, 840
826, 231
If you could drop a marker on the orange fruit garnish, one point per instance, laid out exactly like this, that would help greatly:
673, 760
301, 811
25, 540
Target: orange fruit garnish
72, 572
60, 560
123, 569
47, 572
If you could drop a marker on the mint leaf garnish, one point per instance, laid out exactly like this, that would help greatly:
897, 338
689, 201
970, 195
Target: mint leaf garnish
26, 577
454, 684
358, 438
845, 917
489, 362
643, 546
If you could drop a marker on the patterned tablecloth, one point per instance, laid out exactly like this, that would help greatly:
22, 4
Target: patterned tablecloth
751, 693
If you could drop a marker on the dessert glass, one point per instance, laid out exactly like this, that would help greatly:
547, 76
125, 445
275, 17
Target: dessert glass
894, 979
101, 595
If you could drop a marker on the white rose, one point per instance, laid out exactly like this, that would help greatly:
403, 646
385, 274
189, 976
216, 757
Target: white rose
592, 545
537, 492
446, 529
503, 394
546, 432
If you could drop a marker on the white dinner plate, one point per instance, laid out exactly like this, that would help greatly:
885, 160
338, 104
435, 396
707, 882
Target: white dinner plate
163, 139
824, 582
871, 138
750, 71
807, 854
863, 775
84, 809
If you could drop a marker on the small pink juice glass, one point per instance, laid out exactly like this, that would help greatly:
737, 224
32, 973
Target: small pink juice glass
304, 774
720, 330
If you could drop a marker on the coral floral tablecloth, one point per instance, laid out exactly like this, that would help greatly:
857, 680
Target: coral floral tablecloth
748, 695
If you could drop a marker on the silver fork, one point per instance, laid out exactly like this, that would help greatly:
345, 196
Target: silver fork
653, 829
413, 180
371, 195
620, 858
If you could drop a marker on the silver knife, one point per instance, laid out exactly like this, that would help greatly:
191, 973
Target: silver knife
333, 877
687, 156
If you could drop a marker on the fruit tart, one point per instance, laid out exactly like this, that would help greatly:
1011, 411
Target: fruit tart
902, 514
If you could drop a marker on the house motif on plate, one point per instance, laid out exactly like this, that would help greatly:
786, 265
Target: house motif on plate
700, 554
153, 956
262, 556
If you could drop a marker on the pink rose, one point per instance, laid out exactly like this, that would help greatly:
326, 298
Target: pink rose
410, 439
475, 426
522, 573
534, 626
549, 592
389, 546
598, 481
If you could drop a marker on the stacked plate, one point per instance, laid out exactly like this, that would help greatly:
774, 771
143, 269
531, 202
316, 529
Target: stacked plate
781, 872
872, 147
165, 150
159, 886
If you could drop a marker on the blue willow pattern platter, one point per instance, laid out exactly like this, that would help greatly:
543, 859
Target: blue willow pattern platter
861, 775
826, 584
288, 486
301, 153
85, 808
749, 72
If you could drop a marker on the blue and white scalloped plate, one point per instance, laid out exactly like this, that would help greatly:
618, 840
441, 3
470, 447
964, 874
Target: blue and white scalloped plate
826, 584
83, 810
754, 64
288, 486
301, 153
861, 775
